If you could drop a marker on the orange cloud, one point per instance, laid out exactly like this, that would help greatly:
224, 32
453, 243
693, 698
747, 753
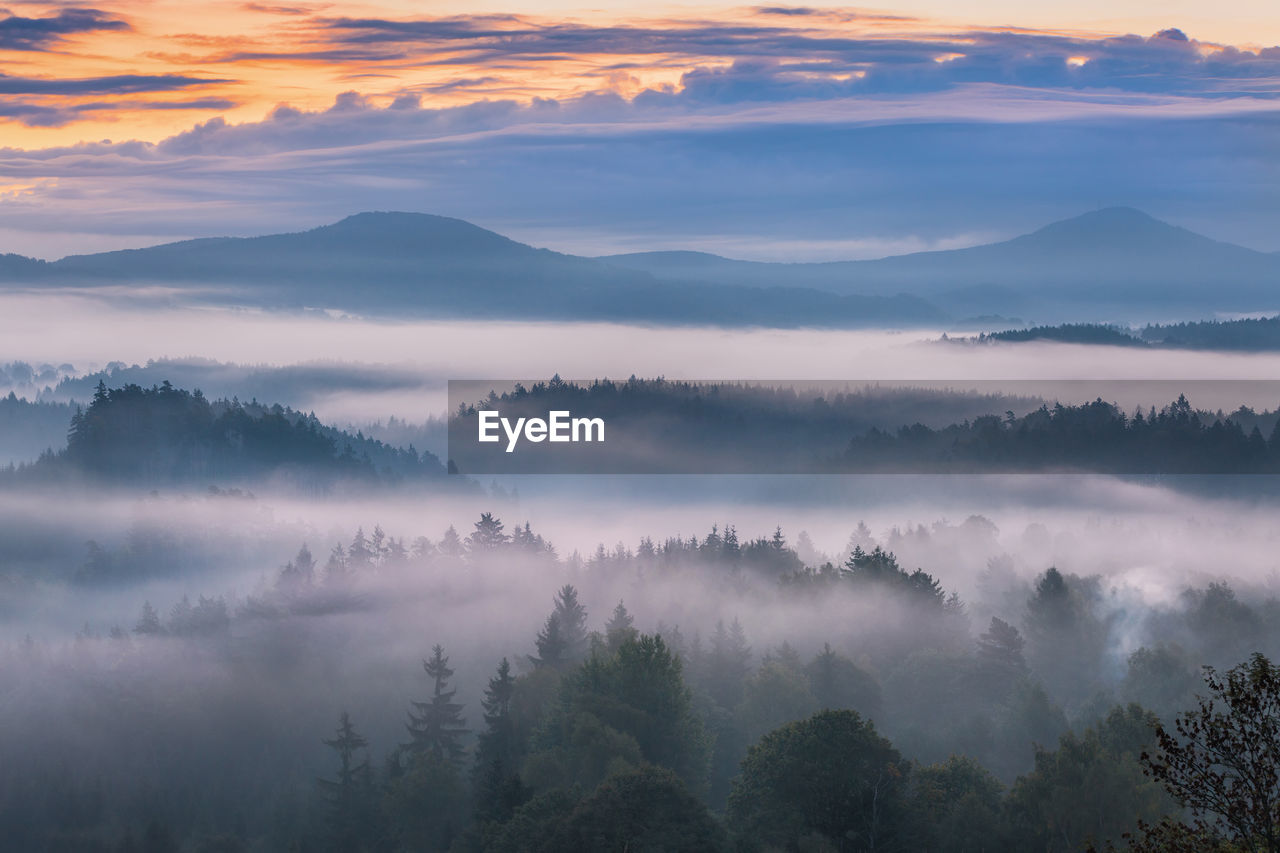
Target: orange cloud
238, 60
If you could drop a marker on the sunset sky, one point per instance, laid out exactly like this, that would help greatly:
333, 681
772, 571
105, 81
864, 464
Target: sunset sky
835, 131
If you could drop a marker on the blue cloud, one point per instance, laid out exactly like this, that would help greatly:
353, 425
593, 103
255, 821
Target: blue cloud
19, 33
111, 85
771, 62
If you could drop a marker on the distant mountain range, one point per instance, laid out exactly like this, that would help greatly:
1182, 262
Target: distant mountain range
1112, 261
1110, 264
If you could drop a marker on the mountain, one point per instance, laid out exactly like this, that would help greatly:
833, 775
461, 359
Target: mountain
1111, 260
389, 256
414, 263
1116, 264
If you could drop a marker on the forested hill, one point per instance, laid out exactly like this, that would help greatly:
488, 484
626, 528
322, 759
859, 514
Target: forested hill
660, 426
1258, 334
1067, 333
1094, 437
163, 434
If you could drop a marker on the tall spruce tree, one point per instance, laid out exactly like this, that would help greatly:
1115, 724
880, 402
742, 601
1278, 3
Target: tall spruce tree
550, 644
619, 628
435, 726
499, 790
348, 796
572, 617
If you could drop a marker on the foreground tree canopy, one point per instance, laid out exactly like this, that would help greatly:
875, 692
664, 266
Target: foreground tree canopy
922, 724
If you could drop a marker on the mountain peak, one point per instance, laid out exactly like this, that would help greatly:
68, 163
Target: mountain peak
1111, 229
399, 218
398, 230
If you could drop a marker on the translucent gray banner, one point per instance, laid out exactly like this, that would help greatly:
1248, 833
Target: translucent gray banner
661, 426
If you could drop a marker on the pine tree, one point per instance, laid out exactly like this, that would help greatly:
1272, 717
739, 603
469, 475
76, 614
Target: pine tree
572, 617
1000, 648
422, 549
499, 790
498, 739
149, 621
729, 546
358, 555
298, 574
305, 565
620, 628
488, 535
550, 644
348, 798
435, 728
875, 565
451, 545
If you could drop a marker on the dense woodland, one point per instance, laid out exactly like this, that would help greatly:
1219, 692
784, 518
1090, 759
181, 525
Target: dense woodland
917, 722
163, 435
672, 426
707, 428
1067, 333
1096, 437
1250, 334
484, 691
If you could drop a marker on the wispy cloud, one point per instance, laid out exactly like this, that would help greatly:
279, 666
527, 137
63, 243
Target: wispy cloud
116, 84
21, 33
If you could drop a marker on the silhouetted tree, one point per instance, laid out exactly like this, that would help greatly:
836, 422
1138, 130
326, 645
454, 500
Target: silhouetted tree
348, 795
499, 790
1222, 763
435, 726
644, 809
149, 621
488, 535
572, 617
619, 628
831, 775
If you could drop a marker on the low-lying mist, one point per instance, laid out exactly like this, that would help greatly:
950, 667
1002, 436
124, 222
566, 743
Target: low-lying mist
1147, 538
272, 613
386, 368
178, 654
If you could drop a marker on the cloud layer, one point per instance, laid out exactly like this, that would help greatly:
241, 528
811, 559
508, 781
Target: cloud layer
773, 132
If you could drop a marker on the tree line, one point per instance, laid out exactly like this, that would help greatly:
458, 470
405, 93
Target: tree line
1096, 437
1248, 334
919, 733
163, 434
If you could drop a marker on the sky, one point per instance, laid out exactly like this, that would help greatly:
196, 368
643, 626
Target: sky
809, 132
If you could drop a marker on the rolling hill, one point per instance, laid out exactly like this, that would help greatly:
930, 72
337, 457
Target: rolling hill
1111, 261
417, 264
1112, 264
